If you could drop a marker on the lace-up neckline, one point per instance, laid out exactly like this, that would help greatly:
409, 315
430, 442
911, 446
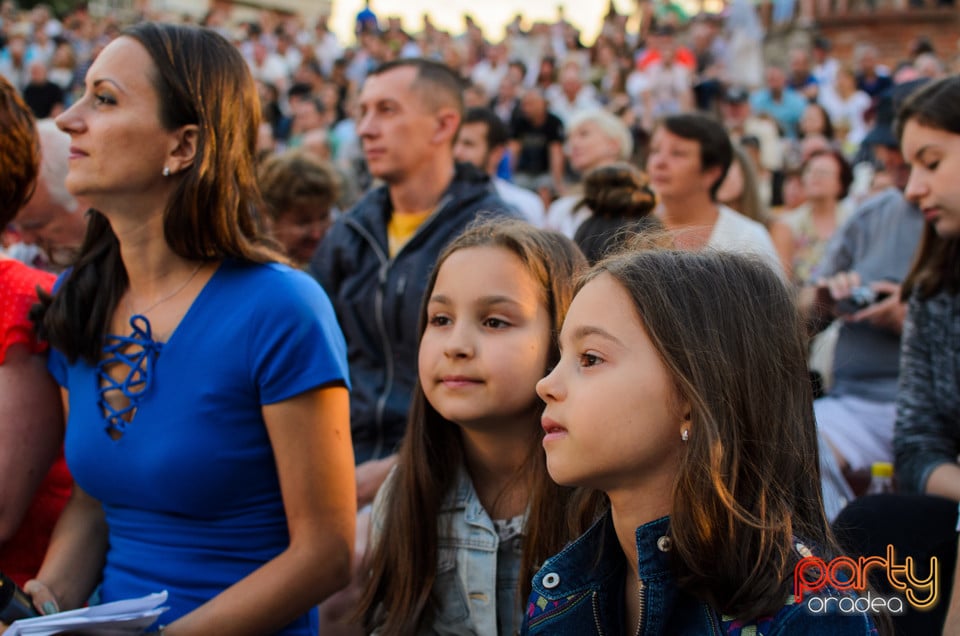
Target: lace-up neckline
119, 399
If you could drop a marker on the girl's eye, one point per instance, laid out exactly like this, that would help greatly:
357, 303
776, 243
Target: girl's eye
104, 99
439, 320
496, 323
933, 165
589, 360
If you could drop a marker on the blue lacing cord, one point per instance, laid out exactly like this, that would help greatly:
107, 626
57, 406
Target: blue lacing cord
140, 364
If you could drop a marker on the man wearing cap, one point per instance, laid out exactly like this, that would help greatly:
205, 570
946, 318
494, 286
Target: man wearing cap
871, 251
740, 122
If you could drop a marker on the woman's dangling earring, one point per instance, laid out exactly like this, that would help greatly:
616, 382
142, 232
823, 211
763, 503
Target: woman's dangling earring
685, 435
166, 171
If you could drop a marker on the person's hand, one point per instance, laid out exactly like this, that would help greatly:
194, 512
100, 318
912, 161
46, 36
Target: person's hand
841, 285
370, 476
888, 313
43, 599
829, 290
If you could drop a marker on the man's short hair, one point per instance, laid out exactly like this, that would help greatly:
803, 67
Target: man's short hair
436, 82
497, 133
715, 146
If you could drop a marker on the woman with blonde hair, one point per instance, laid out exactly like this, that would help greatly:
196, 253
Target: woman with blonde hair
595, 138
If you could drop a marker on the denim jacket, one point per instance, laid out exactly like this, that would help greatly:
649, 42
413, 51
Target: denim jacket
466, 590
580, 591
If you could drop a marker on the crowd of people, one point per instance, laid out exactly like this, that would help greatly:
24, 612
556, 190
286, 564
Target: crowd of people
621, 329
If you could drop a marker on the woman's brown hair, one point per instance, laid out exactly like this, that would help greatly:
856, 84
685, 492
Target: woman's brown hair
402, 568
200, 79
19, 153
936, 266
748, 483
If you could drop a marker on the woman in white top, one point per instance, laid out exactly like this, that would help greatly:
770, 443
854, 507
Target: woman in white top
689, 158
596, 138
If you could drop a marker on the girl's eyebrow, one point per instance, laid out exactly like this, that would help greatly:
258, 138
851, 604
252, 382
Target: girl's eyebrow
583, 331
485, 301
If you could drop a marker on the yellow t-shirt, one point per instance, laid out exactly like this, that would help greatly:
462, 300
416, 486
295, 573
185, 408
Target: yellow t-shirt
402, 227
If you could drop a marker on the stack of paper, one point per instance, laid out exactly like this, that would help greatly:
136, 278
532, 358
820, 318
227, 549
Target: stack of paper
120, 618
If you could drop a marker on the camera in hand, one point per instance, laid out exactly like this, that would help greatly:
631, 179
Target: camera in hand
14, 602
859, 298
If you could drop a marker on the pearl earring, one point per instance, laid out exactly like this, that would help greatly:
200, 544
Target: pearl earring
166, 171
685, 435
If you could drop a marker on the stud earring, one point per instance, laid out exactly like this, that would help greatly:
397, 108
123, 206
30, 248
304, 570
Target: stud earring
685, 435
166, 171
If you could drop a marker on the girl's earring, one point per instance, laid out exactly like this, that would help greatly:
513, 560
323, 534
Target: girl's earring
685, 435
166, 171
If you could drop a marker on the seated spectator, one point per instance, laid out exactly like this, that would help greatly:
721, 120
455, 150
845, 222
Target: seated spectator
482, 141
53, 219
596, 138
299, 191
847, 107
571, 94
689, 157
536, 147
45, 98
873, 78
874, 248
36, 484
620, 201
664, 86
826, 178
681, 394
740, 122
920, 523
779, 102
800, 77
741, 193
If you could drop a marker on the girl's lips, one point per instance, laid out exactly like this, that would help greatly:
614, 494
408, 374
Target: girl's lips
552, 429
931, 214
458, 381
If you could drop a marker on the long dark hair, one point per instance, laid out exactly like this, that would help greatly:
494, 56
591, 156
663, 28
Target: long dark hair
748, 483
403, 566
200, 79
936, 267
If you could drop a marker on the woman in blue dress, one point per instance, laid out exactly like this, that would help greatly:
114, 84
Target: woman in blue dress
206, 382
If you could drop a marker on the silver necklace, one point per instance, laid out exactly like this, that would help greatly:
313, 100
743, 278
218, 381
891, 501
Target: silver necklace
165, 298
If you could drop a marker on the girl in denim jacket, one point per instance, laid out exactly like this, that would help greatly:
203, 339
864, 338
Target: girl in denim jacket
682, 393
457, 522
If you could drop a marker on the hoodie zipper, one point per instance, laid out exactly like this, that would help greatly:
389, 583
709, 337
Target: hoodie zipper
382, 274
382, 278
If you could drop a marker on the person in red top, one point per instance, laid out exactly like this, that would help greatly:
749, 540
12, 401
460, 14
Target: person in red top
35, 483
663, 38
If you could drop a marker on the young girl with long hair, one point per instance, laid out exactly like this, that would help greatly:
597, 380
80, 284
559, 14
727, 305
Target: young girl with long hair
920, 520
456, 530
682, 393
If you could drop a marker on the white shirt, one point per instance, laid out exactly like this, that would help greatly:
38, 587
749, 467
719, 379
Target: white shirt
526, 202
561, 217
734, 232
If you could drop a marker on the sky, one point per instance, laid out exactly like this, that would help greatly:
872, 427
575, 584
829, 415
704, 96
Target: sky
491, 15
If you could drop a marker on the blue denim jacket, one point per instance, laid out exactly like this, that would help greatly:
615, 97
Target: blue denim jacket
580, 591
467, 594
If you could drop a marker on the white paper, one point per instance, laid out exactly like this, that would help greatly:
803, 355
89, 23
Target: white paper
120, 618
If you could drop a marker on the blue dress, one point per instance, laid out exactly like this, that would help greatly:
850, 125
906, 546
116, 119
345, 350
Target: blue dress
190, 489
